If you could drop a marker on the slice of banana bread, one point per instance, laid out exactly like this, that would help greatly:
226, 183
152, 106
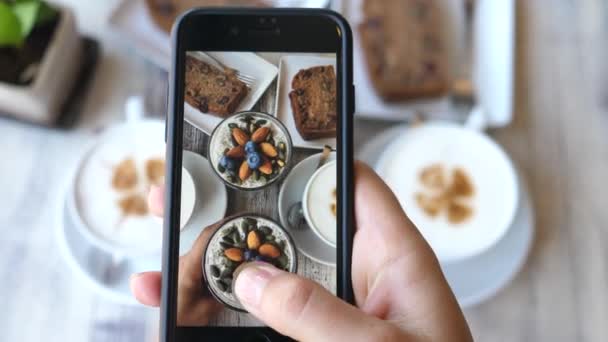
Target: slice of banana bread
211, 90
404, 46
313, 101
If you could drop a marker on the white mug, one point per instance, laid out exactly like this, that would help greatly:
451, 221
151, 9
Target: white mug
322, 195
452, 145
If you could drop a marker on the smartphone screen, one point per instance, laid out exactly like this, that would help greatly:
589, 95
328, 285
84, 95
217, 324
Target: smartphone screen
259, 175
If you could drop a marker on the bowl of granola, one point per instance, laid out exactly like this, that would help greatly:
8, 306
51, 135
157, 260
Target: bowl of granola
243, 239
250, 150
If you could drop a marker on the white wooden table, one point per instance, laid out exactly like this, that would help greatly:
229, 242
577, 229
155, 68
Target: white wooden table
559, 139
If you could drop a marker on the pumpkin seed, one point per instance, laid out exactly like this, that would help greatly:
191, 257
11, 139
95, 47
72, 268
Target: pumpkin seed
243, 119
266, 230
221, 286
215, 271
261, 122
281, 245
226, 245
271, 141
241, 244
226, 272
244, 228
231, 178
281, 163
255, 175
282, 147
269, 136
226, 150
281, 155
251, 222
220, 168
232, 125
270, 238
228, 239
248, 118
282, 261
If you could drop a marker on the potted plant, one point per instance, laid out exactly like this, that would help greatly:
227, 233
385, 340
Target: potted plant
40, 51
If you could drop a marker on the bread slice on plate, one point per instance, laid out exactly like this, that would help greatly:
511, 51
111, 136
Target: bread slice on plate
211, 90
313, 102
405, 48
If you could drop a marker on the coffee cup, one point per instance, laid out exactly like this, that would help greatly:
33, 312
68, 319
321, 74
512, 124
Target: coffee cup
319, 203
487, 198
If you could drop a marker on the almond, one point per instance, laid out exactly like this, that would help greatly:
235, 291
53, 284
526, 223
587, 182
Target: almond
253, 240
268, 149
234, 254
244, 171
260, 134
270, 251
241, 137
266, 168
236, 152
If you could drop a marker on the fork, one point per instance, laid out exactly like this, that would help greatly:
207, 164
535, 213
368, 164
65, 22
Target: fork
247, 79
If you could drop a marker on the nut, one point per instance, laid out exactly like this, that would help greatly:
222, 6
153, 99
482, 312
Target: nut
239, 136
266, 168
244, 171
253, 240
260, 134
236, 152
234, 254
270, 251
268, 149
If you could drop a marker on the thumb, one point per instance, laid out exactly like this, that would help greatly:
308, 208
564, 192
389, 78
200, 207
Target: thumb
302, 309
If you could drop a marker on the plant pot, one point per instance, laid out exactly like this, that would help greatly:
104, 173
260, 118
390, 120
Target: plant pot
41, 101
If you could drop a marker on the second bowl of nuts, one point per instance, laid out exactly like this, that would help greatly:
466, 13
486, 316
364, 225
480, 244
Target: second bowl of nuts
242, 239
250, 150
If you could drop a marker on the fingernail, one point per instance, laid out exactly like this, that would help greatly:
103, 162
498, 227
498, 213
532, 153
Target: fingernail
251, 281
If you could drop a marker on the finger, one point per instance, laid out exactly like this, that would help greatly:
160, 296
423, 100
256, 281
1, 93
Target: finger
302, 309
146, 287
156, 200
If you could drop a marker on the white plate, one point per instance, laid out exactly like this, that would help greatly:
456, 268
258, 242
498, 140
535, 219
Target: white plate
470, 279
307, 242
494, 37
288, 68
130, 19
211, 200
246, 62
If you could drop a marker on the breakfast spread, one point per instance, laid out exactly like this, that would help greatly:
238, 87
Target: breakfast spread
248, 238
404, 48
250, 150
314, 102
164, 12
212, 90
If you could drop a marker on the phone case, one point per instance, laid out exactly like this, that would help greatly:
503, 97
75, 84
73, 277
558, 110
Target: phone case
174, 128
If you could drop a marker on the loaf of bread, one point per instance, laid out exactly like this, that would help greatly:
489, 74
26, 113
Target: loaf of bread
164, 12
405, 49
313, 102
212, 90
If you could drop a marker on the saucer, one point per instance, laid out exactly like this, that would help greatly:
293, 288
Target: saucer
211, 200
307, 242
478, 278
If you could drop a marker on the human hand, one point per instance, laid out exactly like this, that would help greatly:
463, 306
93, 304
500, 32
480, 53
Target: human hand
194, 305
399, 288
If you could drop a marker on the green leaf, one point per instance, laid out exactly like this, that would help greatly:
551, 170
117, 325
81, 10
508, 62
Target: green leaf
10, 27
27, 12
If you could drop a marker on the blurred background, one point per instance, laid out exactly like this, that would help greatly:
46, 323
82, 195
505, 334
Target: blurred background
531, 75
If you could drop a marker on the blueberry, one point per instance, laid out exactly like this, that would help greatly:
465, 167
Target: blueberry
254, 160
250, 255
228, 163
251, 147
260, 258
